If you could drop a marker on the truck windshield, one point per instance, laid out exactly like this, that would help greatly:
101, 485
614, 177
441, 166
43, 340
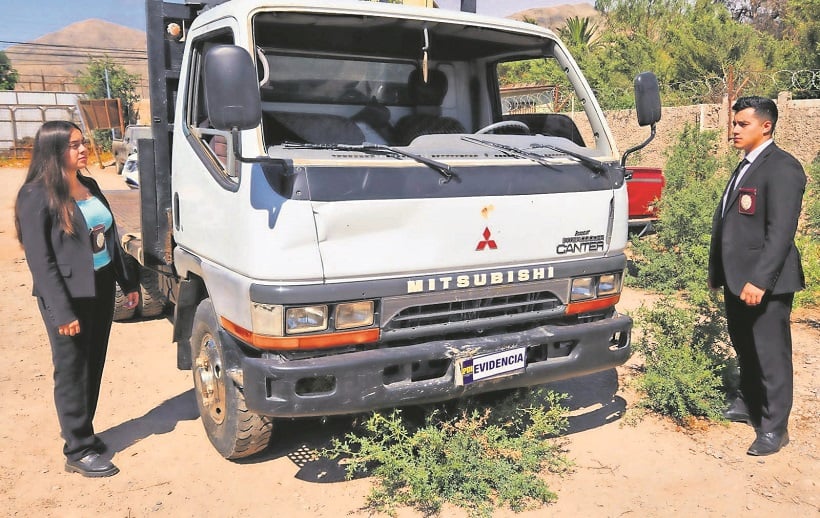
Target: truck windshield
351, 79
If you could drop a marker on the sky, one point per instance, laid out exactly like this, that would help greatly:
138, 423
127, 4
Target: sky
26, 20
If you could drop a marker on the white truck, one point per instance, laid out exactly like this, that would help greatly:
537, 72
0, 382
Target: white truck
345, 217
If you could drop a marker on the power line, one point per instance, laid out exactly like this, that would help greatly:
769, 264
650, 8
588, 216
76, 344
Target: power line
72, 47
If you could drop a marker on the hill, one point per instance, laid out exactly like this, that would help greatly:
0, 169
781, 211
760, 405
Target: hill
51, 62
555, 17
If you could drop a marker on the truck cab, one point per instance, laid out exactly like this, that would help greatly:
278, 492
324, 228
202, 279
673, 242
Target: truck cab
350, 217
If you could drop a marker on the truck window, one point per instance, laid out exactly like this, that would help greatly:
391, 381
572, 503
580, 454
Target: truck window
333, 99
536, 92
211, 144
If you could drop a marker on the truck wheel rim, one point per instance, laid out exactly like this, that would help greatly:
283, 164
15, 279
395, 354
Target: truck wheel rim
209, 378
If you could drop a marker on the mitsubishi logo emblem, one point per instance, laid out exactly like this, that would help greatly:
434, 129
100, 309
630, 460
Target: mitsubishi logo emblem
487, 242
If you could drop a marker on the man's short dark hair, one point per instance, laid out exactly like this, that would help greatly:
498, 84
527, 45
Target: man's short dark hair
764, 108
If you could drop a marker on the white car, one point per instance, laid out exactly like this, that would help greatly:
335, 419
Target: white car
131, 171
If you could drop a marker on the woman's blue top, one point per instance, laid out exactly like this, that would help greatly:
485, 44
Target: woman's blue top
99, 220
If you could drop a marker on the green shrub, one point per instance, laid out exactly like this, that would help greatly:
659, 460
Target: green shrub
810, 255
687, 363
811, 205
481, 459
676, 257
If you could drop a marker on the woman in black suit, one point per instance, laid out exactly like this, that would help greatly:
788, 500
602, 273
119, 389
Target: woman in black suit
72, 249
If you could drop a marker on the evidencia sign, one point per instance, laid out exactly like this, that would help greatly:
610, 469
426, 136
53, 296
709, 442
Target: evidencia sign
469, 370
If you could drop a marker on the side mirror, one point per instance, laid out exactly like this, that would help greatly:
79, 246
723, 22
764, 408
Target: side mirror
648, 106
231, 89
647, 99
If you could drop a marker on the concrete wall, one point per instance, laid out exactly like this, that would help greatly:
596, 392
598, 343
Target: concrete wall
797, 129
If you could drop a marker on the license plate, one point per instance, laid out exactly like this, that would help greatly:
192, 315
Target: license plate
477, 368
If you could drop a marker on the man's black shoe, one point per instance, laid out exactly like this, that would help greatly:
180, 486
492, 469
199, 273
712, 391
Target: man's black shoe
737, 416
92, 465
768, 443
737, 412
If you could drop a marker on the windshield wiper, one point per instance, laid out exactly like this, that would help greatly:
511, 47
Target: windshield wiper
443, 169
595, 165
512, 151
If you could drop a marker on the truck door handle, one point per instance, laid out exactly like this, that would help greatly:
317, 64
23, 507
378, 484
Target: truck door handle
176, 211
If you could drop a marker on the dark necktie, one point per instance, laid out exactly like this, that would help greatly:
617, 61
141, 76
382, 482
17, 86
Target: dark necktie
733, 183
736, 174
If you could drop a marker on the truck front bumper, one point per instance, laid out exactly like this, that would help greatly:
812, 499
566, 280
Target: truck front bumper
425, 373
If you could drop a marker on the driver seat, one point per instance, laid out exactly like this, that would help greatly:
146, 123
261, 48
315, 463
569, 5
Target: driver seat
426, 98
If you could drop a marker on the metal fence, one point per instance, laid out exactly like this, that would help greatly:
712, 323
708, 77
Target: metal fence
22, 114
62, 83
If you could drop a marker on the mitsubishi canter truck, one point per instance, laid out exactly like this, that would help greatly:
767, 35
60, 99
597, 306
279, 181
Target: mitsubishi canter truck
347, 215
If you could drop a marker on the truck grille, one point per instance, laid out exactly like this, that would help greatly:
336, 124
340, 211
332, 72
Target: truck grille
465, 315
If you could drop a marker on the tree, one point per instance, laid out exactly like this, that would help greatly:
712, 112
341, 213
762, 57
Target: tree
102, 76
580, 33
8, 75
692, 45
764, 15
803, 26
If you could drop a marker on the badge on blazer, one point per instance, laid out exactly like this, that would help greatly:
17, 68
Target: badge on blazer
747, 201
98, 238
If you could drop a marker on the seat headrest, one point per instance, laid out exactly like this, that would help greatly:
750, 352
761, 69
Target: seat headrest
430, 93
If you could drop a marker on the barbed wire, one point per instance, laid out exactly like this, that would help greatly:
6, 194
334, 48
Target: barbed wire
707, 90
796, 81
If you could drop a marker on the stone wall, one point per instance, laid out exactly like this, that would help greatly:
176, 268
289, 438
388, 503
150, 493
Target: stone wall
797, 129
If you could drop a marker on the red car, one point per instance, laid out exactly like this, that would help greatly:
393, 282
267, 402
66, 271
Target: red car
644, 188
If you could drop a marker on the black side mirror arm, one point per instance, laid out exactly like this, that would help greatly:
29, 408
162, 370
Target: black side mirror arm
639, 146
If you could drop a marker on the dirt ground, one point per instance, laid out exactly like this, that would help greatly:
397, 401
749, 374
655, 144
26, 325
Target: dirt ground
148, 417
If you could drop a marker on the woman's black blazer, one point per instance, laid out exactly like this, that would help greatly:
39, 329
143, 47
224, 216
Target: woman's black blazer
62, 265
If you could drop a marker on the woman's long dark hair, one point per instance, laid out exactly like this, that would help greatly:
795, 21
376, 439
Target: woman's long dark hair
46, 169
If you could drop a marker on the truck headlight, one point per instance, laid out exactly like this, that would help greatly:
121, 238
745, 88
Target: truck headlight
305, 319
353, 314
583, 288
609, 284
267, 318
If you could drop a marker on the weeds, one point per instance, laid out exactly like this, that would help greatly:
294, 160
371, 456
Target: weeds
683, 341
809, 242
811, 205
480, 458
687, 363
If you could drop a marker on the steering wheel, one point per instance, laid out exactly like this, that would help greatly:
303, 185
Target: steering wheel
503, 124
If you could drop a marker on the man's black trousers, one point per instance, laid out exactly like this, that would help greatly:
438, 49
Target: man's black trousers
761, 337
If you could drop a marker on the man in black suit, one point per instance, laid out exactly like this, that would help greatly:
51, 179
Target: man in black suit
754, 258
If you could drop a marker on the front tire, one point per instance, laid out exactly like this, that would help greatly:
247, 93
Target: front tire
234, 431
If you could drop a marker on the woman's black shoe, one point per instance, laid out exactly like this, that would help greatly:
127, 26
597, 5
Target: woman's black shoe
92, 465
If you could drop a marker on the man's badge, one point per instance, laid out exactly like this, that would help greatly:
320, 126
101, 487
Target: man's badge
747, 201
